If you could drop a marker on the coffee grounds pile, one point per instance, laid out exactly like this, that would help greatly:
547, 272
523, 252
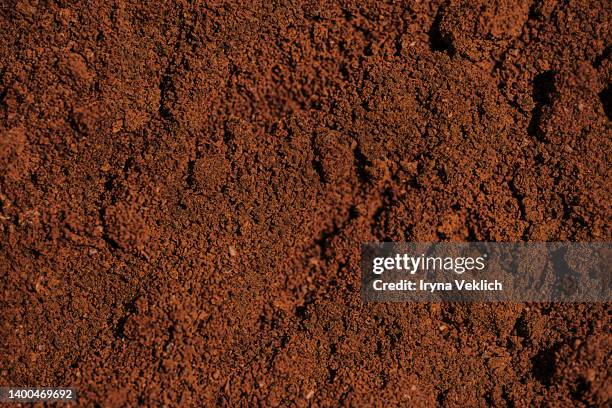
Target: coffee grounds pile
184, 187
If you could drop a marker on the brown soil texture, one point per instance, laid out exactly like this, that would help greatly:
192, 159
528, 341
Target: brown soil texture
184, 187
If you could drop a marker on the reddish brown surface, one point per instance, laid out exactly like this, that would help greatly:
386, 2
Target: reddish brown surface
183, 191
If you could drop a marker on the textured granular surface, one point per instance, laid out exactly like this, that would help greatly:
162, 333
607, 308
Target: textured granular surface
184, 187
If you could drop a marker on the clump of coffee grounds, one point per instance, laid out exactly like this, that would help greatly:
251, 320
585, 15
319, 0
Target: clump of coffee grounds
184, 187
